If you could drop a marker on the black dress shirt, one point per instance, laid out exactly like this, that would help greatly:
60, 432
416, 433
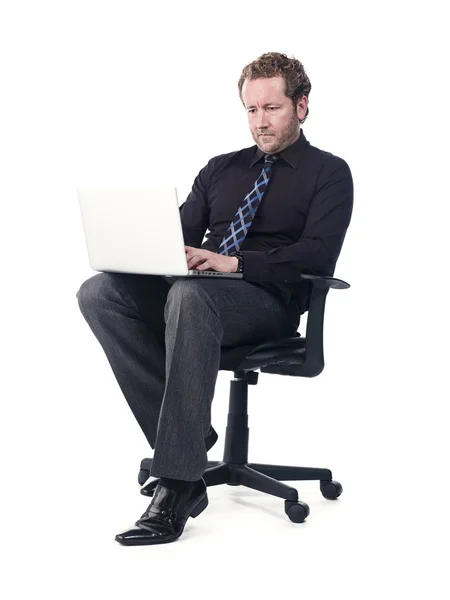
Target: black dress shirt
299, 226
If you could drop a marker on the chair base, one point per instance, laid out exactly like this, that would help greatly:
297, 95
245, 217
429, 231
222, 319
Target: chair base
235, 469
260, 477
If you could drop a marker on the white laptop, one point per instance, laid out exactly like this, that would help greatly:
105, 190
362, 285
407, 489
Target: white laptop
137, 231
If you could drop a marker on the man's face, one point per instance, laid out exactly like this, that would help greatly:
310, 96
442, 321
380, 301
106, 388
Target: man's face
274, 123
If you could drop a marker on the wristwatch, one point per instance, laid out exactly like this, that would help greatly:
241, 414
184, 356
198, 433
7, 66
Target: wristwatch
240, 267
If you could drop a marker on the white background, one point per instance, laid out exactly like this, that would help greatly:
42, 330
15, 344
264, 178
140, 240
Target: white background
111, 93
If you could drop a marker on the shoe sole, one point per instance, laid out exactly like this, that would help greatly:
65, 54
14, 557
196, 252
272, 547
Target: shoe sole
200, 507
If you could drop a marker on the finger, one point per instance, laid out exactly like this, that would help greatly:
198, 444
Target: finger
194, 261
191, 257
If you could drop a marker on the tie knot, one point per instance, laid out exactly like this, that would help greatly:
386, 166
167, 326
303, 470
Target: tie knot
271, 158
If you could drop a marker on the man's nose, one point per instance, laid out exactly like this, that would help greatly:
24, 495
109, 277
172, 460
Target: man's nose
262, 120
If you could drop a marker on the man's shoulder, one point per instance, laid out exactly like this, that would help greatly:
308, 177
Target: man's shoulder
324, 159
244, 154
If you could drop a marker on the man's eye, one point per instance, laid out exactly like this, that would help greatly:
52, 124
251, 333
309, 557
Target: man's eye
252, 110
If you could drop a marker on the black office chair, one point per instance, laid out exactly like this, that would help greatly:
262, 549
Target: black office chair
295, 356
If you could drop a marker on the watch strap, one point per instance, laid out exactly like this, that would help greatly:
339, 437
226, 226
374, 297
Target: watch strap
240, 267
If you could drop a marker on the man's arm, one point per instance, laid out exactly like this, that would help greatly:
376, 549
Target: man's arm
195, 211
320, 244
195, 221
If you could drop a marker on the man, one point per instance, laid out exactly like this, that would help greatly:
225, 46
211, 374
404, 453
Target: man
273, 211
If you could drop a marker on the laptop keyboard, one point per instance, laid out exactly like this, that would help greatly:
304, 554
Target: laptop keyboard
208, 273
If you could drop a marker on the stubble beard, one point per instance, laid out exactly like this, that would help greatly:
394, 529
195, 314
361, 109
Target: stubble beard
281, 140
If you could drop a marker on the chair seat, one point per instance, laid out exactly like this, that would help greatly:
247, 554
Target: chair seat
284, 356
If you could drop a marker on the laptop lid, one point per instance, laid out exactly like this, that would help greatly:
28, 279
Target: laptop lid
133, 230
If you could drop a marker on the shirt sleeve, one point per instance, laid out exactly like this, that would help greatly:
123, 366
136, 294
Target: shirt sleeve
195, 211
321, 241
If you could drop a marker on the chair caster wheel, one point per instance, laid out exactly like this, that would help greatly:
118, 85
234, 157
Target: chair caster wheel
144, 474
296, 511
330, 489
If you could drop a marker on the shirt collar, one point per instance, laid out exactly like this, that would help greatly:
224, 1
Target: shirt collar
291, 154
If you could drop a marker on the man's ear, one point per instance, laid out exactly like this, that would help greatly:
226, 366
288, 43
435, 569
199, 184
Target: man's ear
302, 105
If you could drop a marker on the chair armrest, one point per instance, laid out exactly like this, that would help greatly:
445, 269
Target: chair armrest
324, 281
321, 284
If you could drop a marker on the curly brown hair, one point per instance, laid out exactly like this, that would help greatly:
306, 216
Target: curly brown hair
273, 64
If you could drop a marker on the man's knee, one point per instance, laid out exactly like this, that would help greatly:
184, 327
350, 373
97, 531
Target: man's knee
94, 289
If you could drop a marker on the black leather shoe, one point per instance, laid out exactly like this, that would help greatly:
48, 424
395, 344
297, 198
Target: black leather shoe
166, 516
211, 439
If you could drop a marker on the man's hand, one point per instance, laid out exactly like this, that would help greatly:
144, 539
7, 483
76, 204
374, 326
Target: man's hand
201, 259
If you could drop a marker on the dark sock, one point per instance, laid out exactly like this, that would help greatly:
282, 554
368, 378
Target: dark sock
178, 485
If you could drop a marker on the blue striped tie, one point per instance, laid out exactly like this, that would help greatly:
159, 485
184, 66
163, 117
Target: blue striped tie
245, 213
